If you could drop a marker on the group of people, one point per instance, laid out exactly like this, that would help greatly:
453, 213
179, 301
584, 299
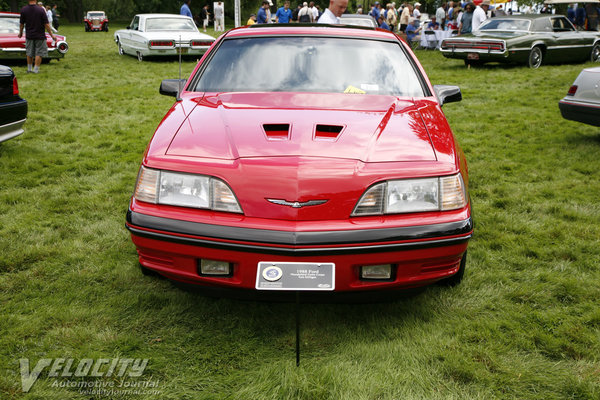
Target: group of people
585, 16
304, 13
35, 19
204, 17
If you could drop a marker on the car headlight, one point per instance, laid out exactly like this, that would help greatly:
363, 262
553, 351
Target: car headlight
185, 190
413, 195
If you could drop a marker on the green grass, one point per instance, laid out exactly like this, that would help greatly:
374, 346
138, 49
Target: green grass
524, 324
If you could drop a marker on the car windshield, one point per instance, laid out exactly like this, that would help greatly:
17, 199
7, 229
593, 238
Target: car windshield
359, 21
95, 15
310, 64
170, 24
505, 24
9, 25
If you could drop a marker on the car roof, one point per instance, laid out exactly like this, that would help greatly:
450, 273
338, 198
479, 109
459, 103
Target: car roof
350, 31
528, 16
8, 14
162, 16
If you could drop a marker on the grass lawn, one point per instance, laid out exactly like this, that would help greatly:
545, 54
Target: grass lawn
524, 324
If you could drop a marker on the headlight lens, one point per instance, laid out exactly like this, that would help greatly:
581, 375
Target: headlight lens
413, 195
185, 190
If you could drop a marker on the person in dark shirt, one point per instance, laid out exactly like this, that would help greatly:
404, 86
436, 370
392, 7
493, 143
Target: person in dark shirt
35, 19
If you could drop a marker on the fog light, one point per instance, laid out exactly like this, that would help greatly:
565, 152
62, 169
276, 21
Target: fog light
376, 272
215, 268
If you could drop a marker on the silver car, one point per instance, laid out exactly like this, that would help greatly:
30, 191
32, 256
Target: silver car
582, 102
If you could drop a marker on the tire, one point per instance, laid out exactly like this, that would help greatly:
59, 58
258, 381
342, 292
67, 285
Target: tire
140, 57
536, 56
595, 57
458, 276
120, 48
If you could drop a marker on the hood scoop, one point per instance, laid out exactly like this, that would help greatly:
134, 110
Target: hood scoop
277, 131
328, 132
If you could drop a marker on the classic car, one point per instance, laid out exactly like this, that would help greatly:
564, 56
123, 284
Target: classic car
13, 109
95, 21
13, 47
582, 102
525, 39
162, 35
359, 20
290, 162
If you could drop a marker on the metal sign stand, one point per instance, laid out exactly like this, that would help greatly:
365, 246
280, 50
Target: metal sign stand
297, 328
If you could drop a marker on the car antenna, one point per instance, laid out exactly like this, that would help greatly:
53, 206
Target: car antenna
179, 81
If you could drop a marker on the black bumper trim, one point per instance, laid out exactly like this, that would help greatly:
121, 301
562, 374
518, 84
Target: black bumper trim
267, 240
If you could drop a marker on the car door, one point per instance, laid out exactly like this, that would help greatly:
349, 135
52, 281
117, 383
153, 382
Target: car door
570, 43
126, 38
138, 36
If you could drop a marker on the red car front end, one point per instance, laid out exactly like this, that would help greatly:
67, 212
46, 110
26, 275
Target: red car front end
301, 178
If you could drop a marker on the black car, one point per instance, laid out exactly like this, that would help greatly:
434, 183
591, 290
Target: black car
13, 109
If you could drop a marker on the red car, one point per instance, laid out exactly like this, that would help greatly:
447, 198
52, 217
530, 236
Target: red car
12, 47
311, 158
95, 21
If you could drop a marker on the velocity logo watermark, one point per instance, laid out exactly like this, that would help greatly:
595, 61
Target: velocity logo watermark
69, 370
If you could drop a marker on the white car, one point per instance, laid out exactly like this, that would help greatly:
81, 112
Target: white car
162, 35
582, 102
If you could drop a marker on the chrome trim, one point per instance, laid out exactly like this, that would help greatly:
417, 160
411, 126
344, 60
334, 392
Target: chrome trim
11, 130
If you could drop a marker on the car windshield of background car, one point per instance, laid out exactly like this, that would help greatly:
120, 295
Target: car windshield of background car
170, 24
9, 25
95, 15
501, 24
310, 64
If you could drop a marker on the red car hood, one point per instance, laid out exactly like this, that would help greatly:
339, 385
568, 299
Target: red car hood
243, 125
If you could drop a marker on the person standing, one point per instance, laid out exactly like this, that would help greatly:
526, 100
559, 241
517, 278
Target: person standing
314, 13
304, 15
251, 20
55, 17
185, 8
592, 16
440, 15
261, 15
49, 16
405, 16
480, 14
219, 17
35, 19
283, 14
332, 14
580, 17
466, 19
204, 15
417, 14
390, 18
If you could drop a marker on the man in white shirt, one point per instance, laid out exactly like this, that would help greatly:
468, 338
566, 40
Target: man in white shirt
440, 15
480, 14
333, 13
417, 13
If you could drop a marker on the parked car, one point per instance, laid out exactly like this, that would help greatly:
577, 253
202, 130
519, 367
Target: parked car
162, 35
94, 21
359, 20
13, 48
13, 109
320, 174
582, 102
525, 39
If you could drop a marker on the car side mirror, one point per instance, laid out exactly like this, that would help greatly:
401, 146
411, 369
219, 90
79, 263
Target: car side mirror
171, 87
447, 93
128, 27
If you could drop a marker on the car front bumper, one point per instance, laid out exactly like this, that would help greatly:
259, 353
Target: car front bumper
419, 255
586, 112
13, 115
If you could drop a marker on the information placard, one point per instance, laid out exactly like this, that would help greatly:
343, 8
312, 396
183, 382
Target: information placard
295, 276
